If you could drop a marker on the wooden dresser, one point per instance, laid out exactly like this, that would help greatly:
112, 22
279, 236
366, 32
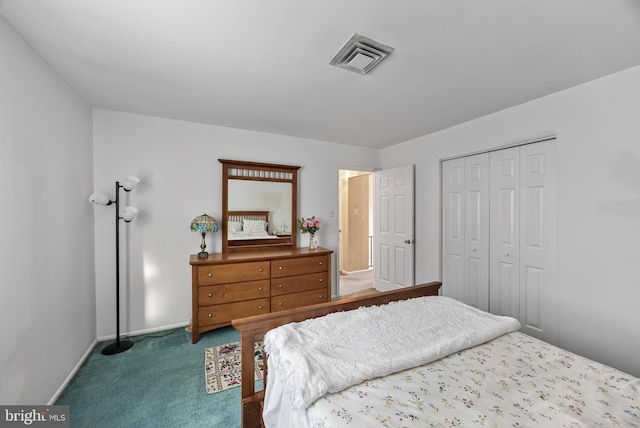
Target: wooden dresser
227, 286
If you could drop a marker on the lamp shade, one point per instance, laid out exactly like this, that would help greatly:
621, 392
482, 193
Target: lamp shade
204, 223
130, 182
99, 199
129, 213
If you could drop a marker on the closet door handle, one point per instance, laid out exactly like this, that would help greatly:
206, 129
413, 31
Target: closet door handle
506, 254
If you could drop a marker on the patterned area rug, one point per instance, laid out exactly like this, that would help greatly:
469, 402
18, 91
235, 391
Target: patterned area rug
222, 366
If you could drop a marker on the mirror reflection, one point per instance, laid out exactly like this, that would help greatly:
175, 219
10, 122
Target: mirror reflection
274, 198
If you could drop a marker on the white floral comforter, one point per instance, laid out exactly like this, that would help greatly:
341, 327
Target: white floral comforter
514, 380
330, 353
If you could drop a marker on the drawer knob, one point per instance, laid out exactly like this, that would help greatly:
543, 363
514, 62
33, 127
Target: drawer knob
280, 285
260, 307
210, 294
321, 297
260, 270
260, 289
320, 280
280, 304
280, 267
210, 316
319, 263
210, 275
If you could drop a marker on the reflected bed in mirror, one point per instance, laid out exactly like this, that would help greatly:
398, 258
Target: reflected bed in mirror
251, 228
258, 205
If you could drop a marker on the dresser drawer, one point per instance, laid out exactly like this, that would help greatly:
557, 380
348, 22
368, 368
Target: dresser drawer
298, 266
220, 314
295, 284
233, 272
235, 292
296, 300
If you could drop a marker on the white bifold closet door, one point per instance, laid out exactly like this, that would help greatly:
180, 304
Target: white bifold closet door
505, 232
498, 234
466, 229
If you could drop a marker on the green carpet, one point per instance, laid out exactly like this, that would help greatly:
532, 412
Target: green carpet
157, 383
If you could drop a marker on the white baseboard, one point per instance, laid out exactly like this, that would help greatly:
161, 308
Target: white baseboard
139, 332
72, 374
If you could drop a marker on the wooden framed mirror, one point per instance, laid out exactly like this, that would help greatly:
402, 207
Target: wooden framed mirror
259, 205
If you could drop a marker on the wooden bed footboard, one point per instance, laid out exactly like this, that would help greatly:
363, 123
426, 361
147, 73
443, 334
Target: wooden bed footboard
254, 328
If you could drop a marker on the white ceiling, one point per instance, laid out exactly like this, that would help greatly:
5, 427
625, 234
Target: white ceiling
263, 65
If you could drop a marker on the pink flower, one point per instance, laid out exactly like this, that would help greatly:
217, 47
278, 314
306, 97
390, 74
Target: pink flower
309, 225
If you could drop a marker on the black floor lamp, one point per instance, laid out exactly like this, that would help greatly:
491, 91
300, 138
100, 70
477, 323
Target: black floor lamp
128, 214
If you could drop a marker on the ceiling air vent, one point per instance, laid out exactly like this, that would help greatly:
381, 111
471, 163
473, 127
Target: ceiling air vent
360, 54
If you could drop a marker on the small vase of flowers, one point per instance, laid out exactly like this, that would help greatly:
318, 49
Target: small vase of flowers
310, 225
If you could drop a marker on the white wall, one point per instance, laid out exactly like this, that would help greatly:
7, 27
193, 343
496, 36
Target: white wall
598, 206
47, 293
177, 163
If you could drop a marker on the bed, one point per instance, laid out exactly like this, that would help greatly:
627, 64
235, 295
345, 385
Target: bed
487, 373
247, 229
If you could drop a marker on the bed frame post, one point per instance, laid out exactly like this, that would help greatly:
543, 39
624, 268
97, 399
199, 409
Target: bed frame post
251, 402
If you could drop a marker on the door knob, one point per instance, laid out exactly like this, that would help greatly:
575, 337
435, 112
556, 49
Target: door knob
506, 254
407, 241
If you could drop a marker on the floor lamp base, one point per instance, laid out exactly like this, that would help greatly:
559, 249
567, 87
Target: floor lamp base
117, 347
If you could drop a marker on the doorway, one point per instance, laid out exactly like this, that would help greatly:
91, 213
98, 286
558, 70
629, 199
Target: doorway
355, 215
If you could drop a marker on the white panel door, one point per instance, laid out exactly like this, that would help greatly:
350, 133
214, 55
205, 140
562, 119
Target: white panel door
476, 231
538, 307
453, 229
514, 274
504, 267
393, 237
